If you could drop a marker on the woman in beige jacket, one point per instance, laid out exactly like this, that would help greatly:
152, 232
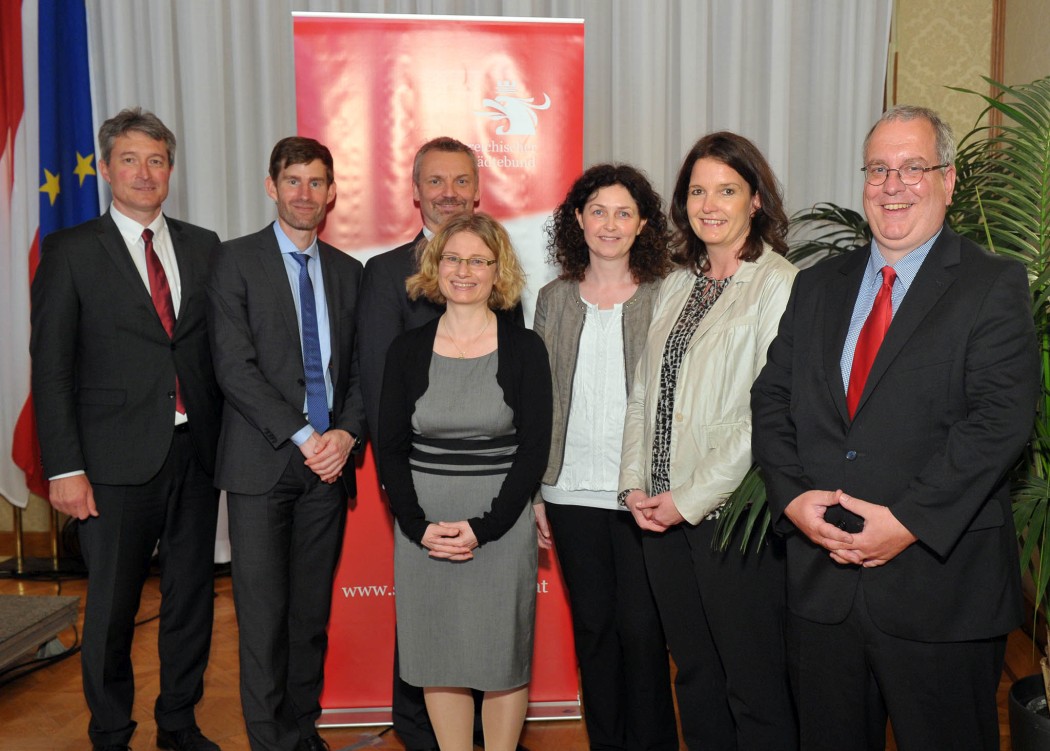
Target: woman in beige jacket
687, 445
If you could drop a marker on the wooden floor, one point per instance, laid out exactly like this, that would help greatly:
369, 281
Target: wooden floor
45, 711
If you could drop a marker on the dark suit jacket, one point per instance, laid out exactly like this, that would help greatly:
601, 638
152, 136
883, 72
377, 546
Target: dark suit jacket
104, 369
384, 312
946, 409
259, 363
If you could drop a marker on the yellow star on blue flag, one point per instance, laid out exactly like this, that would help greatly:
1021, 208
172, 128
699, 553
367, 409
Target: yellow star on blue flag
84, 167
50, 186
66, 132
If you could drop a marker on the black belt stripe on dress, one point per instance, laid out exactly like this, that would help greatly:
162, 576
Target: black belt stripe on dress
466, 444
461, 460
428, 470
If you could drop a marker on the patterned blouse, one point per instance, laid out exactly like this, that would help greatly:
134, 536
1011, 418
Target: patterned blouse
703, 296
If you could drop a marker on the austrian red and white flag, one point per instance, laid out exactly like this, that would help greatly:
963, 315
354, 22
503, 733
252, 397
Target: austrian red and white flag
47, 181
19, 221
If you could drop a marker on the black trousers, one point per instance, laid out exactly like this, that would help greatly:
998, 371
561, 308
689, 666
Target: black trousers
723, 614
409, 710
177, 509
284, 547
620, 643
848, 676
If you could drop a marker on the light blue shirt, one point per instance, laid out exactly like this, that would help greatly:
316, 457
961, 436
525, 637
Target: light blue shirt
324, 329
906, 269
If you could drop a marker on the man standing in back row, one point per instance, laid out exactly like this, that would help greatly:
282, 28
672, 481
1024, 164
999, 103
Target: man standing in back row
444, 185
128, 417
282, 316
897, 395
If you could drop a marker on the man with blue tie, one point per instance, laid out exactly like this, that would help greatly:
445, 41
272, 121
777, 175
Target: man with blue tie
282, 315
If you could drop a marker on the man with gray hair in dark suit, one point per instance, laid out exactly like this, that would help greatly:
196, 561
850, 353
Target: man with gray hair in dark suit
897, 395
128, 417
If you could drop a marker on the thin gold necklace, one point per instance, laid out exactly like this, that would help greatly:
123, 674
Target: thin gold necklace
462, 351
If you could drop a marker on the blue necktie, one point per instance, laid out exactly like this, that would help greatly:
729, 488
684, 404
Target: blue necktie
316, 393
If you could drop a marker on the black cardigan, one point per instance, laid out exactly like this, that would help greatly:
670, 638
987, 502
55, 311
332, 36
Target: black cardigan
524, 375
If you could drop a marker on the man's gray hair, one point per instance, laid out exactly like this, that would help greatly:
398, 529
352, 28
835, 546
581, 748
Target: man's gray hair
446, 144
908, 112
139, 120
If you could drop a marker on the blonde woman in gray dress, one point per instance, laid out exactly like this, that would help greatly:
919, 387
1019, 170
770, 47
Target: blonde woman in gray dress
465, 423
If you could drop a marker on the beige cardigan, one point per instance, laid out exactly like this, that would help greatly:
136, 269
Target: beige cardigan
711, 433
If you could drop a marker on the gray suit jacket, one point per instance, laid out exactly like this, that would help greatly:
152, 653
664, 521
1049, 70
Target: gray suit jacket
258, 358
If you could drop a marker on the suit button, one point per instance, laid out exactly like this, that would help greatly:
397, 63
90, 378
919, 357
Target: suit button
300, 381
173, 346
171, 394
851, 455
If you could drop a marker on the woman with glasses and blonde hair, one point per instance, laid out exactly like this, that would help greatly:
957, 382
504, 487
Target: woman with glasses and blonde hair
465, 421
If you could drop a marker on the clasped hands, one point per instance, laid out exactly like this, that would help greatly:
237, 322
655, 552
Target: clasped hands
327, 452
451, 541
655, 513
881, 540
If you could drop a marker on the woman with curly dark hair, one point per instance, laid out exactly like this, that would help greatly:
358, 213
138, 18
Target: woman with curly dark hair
610, 238
687, 446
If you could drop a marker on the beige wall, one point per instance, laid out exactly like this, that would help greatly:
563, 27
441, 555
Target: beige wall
941, 44
1027, 44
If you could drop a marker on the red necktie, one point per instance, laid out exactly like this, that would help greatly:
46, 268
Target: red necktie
161, 294
870, 340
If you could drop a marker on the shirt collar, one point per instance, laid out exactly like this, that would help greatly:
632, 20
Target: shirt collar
907, 267
287, 246
131, 230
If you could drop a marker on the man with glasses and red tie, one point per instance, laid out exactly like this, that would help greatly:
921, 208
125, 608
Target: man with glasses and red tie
897, 395
128, 417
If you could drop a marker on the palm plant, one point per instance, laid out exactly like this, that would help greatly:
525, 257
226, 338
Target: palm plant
1005, 204
1002, 201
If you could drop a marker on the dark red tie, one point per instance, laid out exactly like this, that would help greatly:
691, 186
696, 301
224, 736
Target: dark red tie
161, 294
870, 340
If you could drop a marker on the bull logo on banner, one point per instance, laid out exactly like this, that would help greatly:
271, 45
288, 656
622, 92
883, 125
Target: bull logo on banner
518, 113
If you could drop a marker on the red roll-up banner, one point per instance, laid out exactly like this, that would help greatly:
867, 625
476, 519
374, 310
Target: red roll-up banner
373, 88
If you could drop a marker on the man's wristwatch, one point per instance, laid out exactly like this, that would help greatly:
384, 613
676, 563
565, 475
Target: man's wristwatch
621, 497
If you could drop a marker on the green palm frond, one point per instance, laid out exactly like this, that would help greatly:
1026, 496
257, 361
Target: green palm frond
747, 506
826, 229
1002, 200
1002, 192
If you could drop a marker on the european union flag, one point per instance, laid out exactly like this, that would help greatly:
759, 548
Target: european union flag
68, 182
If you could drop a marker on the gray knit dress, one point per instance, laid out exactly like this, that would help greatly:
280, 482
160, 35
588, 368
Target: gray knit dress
465, 623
